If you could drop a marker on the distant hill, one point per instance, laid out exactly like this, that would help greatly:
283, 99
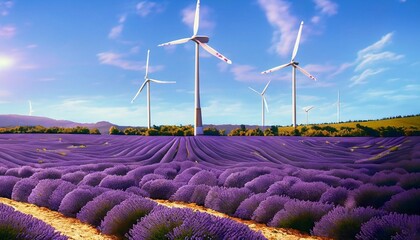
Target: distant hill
22, 120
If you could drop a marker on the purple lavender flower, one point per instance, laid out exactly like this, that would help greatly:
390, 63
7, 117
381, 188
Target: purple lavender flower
117, 182
161, 188
392, 226
405, 202
374, 196
49, 173
350, 183
344, 223
94, 211
159, 223
248, 206
137, 191
117, 170
74, 177
283, 186
93, 179
239, 179
226, 200
6, 185
41, 193
311, 191
120, 219
95, 167
59, 193
26, 171
204, 177
336, 196
385, 178
410, 180
76, 199
168, 173
16, 225
268, 208
262, 183
23, 189
149, 177
300, 215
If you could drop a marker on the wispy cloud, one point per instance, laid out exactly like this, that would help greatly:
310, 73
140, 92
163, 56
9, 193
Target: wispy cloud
115, 59
5, 7
188, 15
284, 23
326, 7
362, 78
370, 60
144, 8
117, 30
7, 31
248, 73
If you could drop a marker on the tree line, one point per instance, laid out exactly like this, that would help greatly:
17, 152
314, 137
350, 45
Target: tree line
53, 130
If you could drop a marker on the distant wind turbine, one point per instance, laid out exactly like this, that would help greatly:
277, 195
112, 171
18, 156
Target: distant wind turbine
338, 107
147, 81
263, 103
295, 66
307, 109
200, 41
30, 108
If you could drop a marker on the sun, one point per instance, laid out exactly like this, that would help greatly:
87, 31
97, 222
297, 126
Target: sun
6, 62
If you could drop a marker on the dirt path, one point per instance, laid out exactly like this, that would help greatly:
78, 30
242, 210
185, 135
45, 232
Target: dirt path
75, 229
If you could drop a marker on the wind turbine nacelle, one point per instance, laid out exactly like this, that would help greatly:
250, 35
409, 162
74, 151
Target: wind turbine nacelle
202, 39
295, 63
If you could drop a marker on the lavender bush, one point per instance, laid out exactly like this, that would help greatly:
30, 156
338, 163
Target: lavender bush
300, 215
93, 179
16, 225
342, 223
226, 200
336, 196
311, 191
41, 193
76, 199
249, 205
262, 183
405, 202
120, 219
119, 170
268, 208
374, 196
117, 182
239, 179
94, 211
49, 173
161, 188
23, 189
6, 185
392, 226
59, 193
204, 177
410, 180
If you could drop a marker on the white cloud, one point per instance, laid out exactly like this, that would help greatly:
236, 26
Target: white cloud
7, 31
315, 19
248, 73
284, 24
145, 8
373, 58
188, 15
5, 7
361, 78
377, 46
115, 59
326, 7
116, 31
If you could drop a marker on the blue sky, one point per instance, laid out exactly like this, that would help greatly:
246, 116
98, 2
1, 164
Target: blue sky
84, 60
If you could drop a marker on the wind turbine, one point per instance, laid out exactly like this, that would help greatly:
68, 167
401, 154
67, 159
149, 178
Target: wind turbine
200, 41
147, 81
30, 108
295, 66
338, 107
263, 103
307, 109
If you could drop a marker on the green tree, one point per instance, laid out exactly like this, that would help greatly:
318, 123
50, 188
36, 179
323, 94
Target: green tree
114, 131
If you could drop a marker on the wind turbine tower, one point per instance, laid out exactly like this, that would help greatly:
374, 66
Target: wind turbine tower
30, 108
307, 109
147, 81
295, 65
263, 103
200, 41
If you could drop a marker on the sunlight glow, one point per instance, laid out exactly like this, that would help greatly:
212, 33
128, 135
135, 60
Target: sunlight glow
6, 62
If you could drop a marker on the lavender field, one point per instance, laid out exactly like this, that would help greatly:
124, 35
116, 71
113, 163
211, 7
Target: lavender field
342, 188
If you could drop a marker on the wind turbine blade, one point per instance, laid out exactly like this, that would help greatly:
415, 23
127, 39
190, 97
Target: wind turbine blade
140, 89
265, 89
147, 64
197, 18
159, 81
265, 104
305, 72
214, 52
254, 90
179, 41
295, 49
276, 68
